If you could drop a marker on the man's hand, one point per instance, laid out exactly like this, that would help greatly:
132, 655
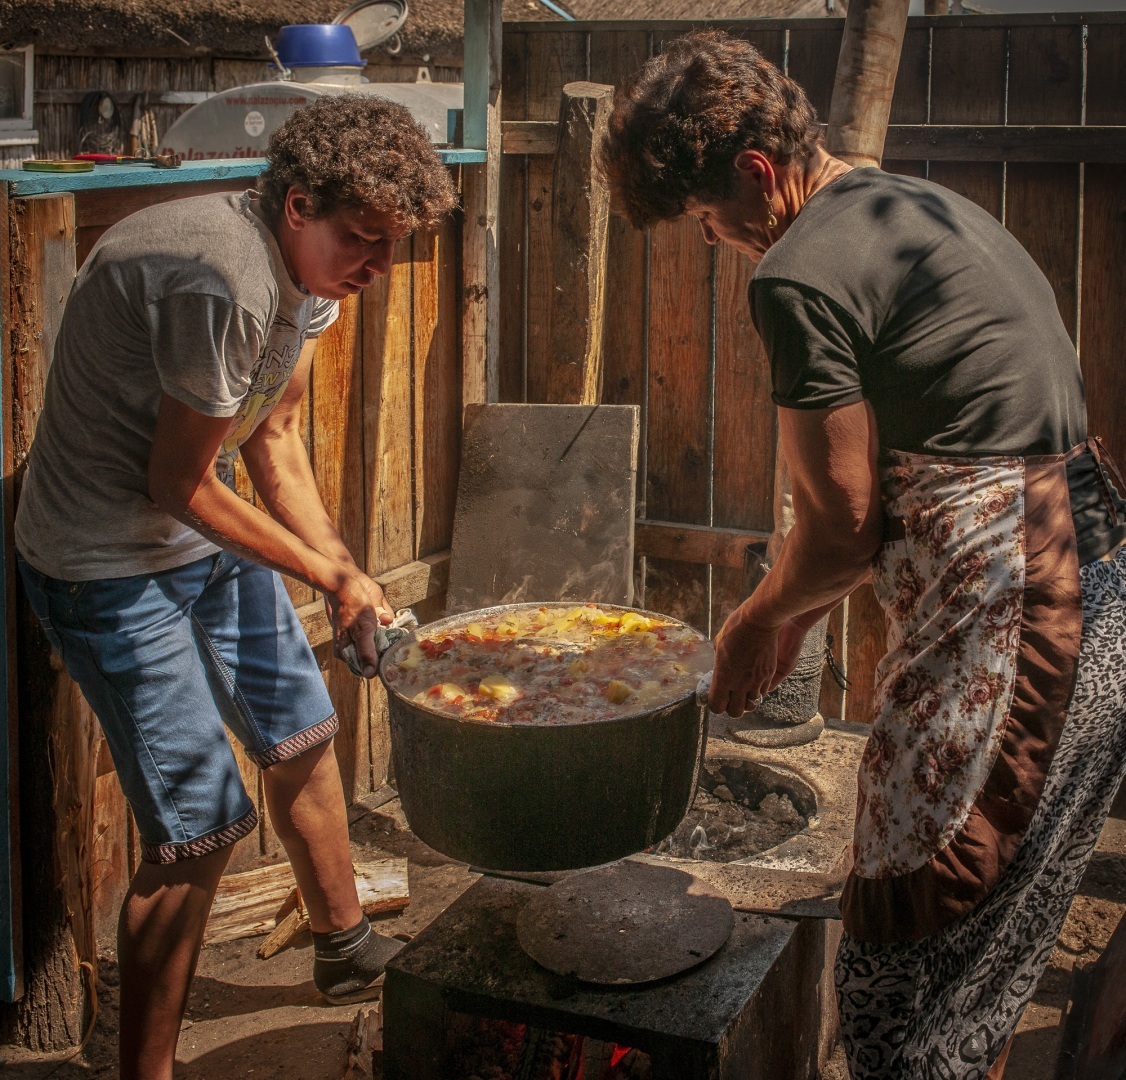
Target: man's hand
356, 610
791, 638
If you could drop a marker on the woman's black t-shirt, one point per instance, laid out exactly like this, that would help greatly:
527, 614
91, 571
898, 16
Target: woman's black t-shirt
898, 291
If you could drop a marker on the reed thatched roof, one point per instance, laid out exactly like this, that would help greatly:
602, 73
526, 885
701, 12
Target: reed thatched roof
655, 10
236, 28
218, 27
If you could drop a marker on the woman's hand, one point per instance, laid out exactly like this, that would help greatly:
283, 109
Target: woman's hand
746, 659
356, 610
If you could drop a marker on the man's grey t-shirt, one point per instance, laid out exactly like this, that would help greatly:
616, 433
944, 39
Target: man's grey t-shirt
898, 291
190, 298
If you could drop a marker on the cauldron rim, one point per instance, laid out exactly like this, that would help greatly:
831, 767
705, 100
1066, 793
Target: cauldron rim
461, 618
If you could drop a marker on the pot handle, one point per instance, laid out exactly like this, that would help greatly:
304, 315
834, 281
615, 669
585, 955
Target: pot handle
703, 688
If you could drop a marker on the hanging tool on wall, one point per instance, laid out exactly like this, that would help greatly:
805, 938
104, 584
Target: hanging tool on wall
159, 161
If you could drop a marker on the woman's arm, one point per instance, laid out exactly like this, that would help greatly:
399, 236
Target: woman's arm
838, 526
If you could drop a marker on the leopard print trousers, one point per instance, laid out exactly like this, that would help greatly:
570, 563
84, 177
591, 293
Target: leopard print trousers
944, 1007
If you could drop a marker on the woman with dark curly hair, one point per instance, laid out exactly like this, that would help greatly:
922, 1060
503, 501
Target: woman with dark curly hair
186, 341
932, 418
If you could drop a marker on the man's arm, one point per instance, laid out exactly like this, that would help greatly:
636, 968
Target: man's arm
301, 542
838, 527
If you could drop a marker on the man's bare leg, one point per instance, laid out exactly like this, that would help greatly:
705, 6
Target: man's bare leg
307, 809
306, 804
158, 940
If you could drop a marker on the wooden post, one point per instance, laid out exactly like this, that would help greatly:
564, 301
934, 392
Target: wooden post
57, 731
580, 217
866, 70
480, 188
11, 929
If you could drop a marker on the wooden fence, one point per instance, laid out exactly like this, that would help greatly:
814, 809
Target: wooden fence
1024, 115
382, 426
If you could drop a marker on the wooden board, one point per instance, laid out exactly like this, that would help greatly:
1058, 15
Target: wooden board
678, 450
545, 505
513, 252
336, 390
553, 60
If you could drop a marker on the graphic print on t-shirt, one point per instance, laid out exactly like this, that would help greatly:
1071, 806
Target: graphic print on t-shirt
267, 384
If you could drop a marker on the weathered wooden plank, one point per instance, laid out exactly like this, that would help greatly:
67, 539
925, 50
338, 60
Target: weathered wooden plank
1042, 201
247, 904
832, 694
56, 733
677, 451
1040, 142
246, 852
703, 544
812, 60
745, 424
866, 644
437, 402
109, 857
553, 61
580, 212
481, 199
405, 586
912, 82
11, 898
513, 213
337, 389
968, 87
1103, 299
613, 56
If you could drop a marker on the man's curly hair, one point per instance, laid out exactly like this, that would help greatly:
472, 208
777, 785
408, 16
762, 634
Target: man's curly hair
678, 124
357, 150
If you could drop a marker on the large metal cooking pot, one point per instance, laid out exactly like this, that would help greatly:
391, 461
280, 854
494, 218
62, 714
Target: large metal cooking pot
553, 797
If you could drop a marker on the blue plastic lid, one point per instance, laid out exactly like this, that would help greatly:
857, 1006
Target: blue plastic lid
318, 45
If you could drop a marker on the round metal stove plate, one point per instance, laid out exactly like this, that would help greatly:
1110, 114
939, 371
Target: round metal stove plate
625, 923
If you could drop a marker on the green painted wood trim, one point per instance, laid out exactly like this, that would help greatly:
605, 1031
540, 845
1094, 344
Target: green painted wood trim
190, 172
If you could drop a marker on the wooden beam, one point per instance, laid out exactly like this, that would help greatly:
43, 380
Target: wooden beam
480, 188
997, 142
580, 216
404, 586
694, 543
1104, 144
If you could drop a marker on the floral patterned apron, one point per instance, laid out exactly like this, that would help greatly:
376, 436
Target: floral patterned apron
979, 582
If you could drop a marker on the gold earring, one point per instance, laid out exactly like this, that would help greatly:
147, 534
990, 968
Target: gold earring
771, 220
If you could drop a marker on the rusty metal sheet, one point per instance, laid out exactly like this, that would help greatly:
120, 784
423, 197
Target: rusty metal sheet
625, 923
545, 505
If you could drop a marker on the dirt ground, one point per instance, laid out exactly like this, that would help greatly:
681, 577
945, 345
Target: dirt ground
263, 1019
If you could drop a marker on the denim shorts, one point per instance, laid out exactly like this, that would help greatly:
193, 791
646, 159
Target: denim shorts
167, 661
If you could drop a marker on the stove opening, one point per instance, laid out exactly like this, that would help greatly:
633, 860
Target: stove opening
479, 1048
741, 808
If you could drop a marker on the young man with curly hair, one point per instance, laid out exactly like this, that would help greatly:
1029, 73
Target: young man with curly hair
186, 341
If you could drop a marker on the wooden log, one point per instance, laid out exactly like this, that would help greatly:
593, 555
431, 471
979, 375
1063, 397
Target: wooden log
57, 818
364, 1041
580, 212
865, 80
256, 901
481, 199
